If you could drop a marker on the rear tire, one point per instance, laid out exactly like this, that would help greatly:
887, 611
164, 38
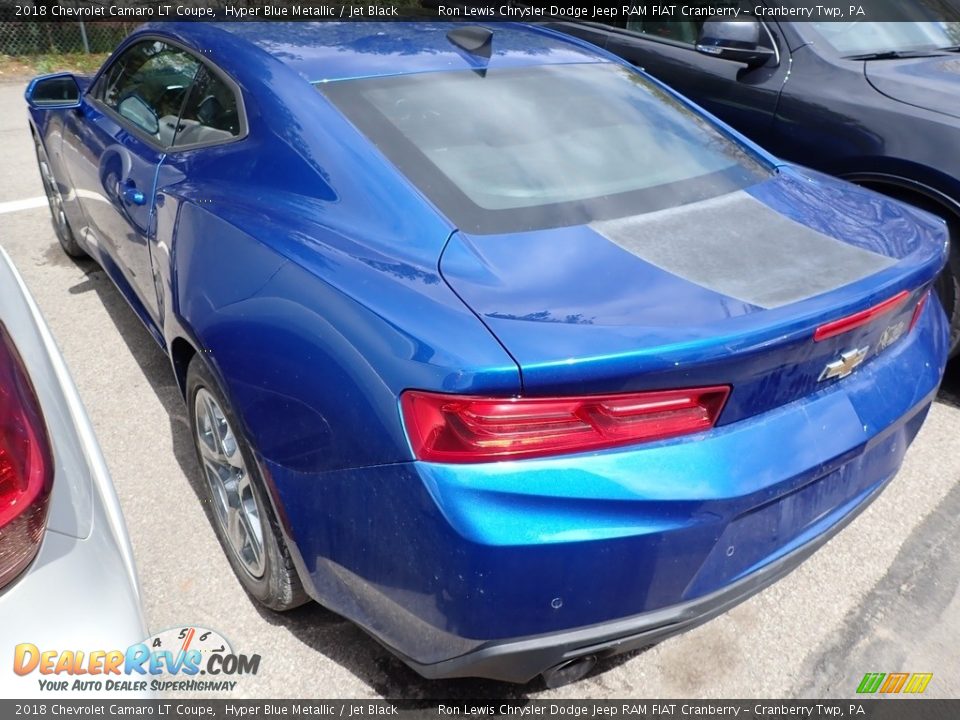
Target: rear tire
61, 225
242, 515
947, 287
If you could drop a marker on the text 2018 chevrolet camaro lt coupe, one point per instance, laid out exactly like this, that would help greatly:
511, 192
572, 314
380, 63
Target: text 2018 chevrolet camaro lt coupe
490, 342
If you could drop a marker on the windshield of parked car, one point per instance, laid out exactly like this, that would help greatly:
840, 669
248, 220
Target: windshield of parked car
865, 38
942, 30
529, 148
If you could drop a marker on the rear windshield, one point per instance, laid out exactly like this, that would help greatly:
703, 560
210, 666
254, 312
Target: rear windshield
547, 146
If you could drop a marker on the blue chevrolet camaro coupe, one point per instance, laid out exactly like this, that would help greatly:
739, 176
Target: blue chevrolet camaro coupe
492, 344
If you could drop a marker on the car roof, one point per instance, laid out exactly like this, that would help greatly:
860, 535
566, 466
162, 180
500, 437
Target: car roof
328, 51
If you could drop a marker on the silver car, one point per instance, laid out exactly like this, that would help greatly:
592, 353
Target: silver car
67, 577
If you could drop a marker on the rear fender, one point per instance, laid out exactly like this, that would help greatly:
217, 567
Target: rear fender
313, 352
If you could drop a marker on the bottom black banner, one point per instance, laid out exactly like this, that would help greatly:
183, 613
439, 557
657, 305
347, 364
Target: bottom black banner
892, 709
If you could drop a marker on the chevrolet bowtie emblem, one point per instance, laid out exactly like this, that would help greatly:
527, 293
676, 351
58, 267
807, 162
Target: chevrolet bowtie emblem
848, 362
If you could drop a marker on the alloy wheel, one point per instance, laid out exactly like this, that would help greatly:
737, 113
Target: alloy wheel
232, 495
54, 198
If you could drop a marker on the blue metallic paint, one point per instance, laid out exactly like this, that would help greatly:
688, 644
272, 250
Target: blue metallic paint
611, 533
306, 271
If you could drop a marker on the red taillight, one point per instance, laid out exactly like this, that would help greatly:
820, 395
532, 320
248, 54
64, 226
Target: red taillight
26, 465
846, 324
918, 310
465, 429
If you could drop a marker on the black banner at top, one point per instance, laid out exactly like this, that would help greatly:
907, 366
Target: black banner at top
478, 10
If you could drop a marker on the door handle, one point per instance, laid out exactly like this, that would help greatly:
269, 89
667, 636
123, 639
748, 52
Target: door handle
133, 196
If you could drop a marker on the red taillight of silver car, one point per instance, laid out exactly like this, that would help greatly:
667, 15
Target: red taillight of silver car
26, 465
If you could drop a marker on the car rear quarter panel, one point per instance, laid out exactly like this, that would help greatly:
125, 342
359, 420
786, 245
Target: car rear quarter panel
304, 269
314, 344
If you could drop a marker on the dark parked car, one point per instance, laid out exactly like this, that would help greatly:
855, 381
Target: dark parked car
489, 342
874, 103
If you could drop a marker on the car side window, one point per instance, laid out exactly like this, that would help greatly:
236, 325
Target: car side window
147, 86
681, 31
211, 113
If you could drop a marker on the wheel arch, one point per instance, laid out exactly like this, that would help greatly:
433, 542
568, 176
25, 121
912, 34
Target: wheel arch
938, 202
182, 352
922, 194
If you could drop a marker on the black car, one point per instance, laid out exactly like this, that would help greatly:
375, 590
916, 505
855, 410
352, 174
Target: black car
874, 103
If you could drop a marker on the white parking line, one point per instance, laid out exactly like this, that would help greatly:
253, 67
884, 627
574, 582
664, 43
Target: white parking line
28, 204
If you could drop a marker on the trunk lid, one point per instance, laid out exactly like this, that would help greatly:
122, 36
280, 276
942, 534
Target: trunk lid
725, 291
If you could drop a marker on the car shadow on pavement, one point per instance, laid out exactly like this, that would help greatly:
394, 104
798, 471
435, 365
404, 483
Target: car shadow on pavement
349, 646
152, 360
329, 634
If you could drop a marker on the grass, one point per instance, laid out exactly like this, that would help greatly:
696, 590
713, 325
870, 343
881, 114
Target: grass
15, 67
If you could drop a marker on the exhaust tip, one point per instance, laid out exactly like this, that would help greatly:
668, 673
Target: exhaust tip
568, 671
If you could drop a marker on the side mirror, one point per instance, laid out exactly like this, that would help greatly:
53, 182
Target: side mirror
136, 110
53, 91
737, 40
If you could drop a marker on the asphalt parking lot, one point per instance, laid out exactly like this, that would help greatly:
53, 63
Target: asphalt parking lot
882, 596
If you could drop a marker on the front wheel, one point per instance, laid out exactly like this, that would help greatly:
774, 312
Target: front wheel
55, 200
242, 515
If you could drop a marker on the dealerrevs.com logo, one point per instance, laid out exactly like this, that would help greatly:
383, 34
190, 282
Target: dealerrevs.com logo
188, 659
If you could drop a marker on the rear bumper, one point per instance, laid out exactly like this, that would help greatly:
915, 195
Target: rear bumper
503, 570
522, 659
